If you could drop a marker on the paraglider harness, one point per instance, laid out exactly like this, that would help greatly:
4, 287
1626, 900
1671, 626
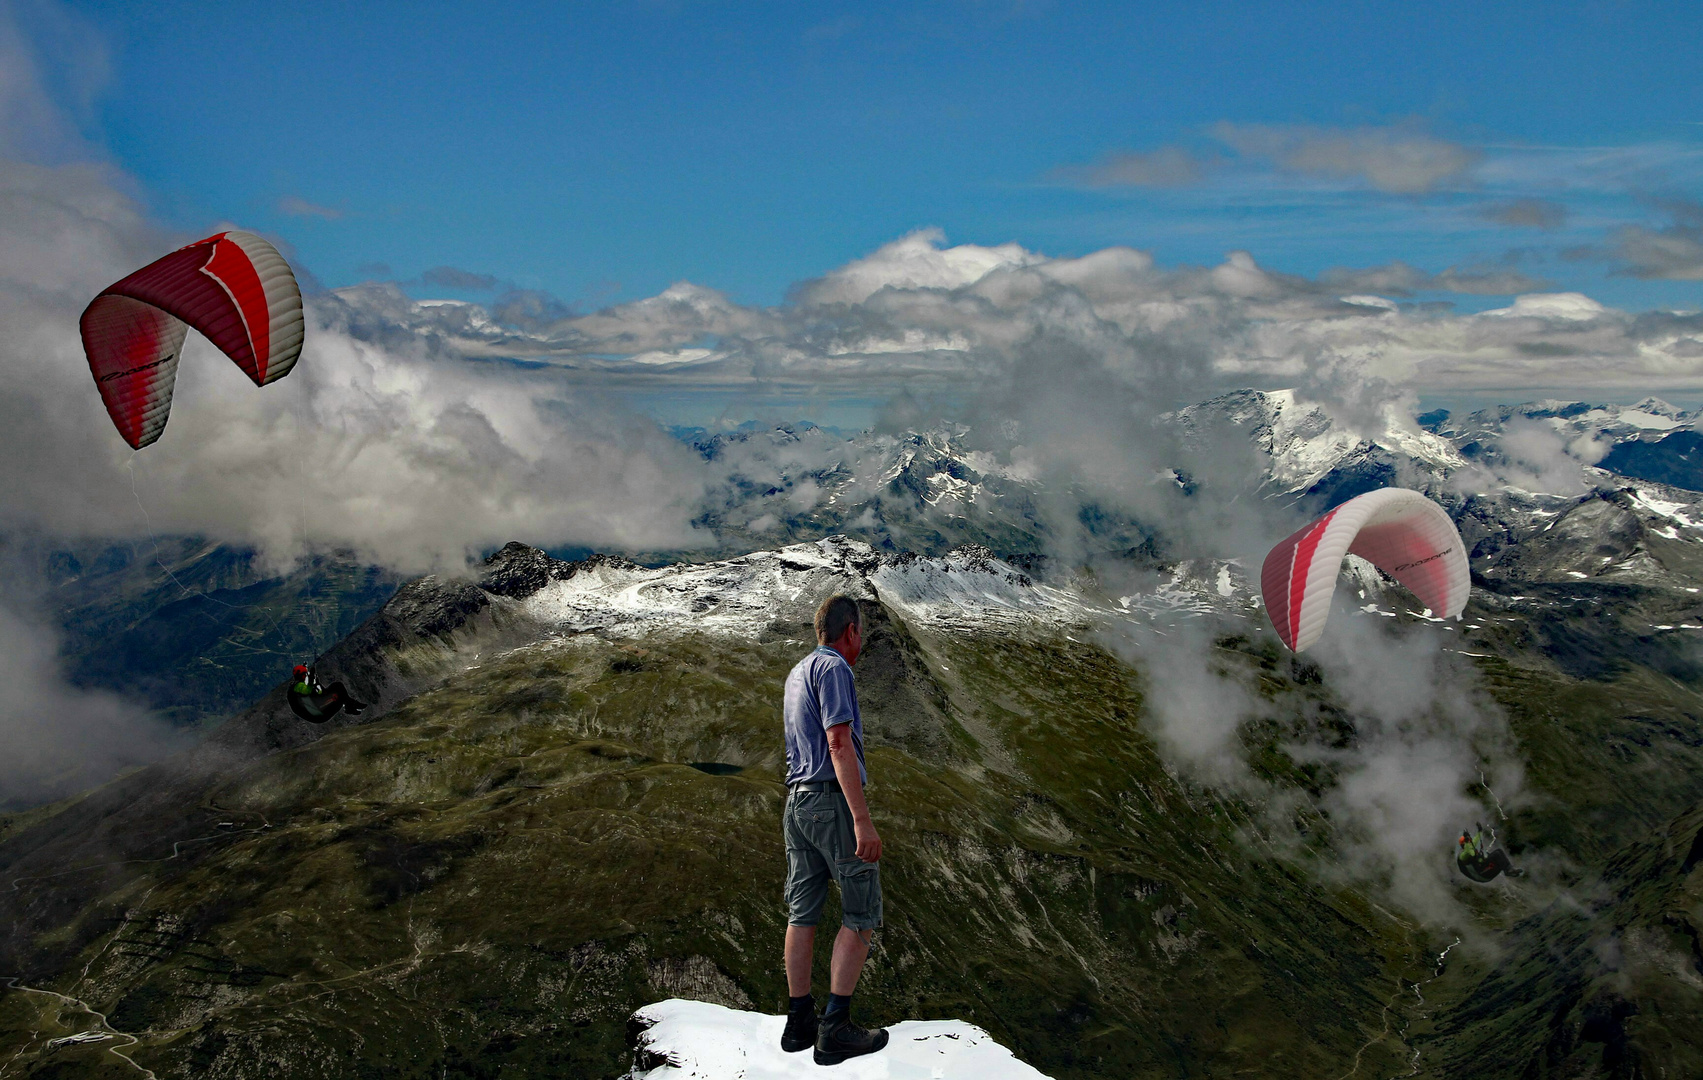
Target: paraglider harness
1480, 859
316, 705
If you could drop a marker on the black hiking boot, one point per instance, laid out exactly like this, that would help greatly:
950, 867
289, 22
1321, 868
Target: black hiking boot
800, 1033
840, 1039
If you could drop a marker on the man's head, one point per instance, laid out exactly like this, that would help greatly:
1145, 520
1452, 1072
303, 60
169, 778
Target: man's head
839, 625
301, 671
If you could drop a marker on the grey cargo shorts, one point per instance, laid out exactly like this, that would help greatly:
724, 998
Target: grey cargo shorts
820, 843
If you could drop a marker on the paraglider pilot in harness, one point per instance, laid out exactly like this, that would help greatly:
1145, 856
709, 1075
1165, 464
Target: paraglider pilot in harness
1480, 859
316, 705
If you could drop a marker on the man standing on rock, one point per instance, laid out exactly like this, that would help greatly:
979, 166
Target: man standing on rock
828, 835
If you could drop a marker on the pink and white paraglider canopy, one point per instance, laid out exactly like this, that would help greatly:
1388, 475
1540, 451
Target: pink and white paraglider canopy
1401, 532
233, 287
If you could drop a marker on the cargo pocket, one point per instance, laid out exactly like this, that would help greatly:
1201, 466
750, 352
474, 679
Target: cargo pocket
860, 893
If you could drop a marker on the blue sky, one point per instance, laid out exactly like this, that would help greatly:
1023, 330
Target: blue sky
601, 152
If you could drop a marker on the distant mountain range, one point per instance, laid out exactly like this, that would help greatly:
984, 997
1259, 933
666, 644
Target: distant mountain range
202, 641
561, 806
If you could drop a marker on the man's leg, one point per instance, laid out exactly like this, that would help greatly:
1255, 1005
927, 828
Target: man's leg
851, 949
807, 877
800, 953
839, 1038
802, 1027
806, 889
860, 904
340, 698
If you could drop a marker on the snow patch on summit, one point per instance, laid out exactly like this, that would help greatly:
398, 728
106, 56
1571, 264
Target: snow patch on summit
967, 589
695, 1040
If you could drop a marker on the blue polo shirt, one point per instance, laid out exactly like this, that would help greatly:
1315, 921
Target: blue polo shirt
819, 694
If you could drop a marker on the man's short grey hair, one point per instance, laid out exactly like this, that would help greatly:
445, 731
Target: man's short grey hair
835, 614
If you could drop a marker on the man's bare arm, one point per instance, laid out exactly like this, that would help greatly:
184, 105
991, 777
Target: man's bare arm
844, 756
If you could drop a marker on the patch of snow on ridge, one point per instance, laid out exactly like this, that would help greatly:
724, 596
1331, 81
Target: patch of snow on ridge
695, 1040
1647, 419
970, 589
1192, 594
965, 589
1662, 508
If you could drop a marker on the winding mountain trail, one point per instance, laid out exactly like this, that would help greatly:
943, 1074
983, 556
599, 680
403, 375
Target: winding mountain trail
100, 1018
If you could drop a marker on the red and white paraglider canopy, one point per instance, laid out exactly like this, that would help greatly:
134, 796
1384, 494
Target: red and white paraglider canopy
233, 287
1401, 532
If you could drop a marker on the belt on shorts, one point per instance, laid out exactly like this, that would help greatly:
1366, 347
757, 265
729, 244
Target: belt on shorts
815, 785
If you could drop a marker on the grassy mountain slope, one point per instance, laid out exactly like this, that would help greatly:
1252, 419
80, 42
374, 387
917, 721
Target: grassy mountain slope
491, 877
536, 832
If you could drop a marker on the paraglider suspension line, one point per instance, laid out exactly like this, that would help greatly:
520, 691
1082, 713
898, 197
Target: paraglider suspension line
1486, 785
159, 560
148, 524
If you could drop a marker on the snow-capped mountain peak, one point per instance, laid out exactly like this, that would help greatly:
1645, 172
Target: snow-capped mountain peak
1305, 441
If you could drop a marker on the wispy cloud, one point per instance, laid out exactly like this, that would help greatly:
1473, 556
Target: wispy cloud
1400, 279
450, 277
296, 206
400, 449
1396, 160
1526, 213
1674, 252
1168, 166
1400, 160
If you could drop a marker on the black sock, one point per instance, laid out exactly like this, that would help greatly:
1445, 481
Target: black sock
803, 1004
837, 1004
